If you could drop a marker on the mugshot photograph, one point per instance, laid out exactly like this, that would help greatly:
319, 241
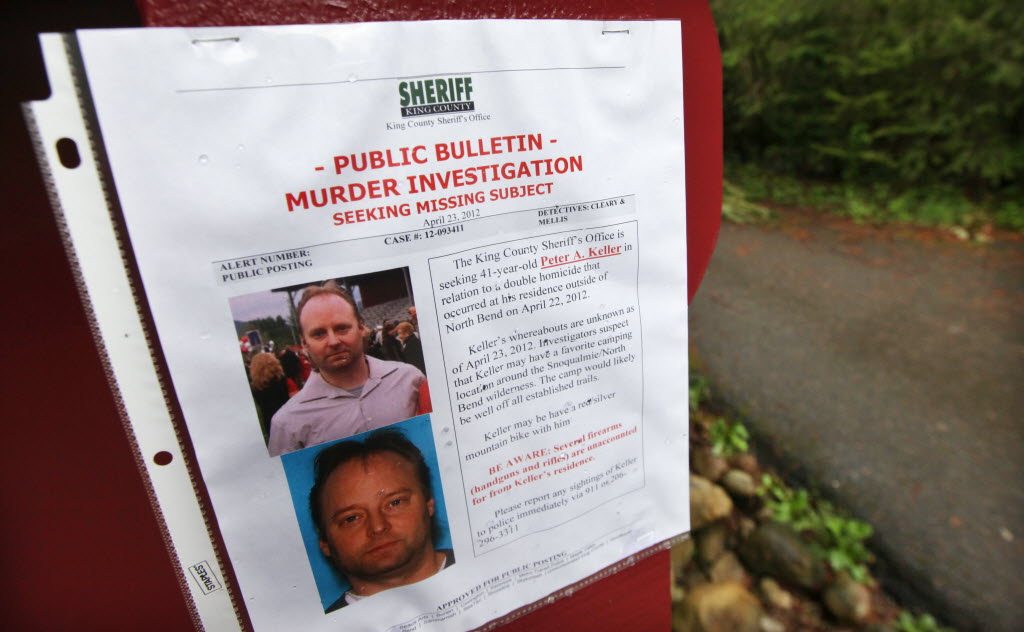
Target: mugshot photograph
373, 517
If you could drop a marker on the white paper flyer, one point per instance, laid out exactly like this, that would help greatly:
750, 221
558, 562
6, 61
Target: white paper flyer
402, 306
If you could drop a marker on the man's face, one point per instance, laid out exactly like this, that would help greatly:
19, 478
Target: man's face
376, 518
331, 333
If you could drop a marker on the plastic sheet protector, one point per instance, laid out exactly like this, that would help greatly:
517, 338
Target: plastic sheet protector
394, 313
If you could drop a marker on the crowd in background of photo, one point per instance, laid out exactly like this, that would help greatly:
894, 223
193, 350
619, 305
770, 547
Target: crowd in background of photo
270, 336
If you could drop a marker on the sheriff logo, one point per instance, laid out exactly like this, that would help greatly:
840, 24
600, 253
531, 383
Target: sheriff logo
441, 95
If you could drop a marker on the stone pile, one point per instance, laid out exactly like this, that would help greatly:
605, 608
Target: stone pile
743, 572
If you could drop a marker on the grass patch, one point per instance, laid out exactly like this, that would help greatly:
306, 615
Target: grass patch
838, 539
739, 209
749, 187
907, 622
728, 437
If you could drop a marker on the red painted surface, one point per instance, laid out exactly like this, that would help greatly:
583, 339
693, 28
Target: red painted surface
79, 546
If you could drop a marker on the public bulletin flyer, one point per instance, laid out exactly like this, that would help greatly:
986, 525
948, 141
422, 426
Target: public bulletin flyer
481, 402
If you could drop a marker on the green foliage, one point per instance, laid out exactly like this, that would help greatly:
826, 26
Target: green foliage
934, 205
910, 93
728, 438
789, 506
739, 209
843, 545
271, 328
907, 622
838, 540
700, 391
760, 185
1010, 214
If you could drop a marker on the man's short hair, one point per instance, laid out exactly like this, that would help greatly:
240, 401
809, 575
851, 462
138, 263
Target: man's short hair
329, 288
386, 440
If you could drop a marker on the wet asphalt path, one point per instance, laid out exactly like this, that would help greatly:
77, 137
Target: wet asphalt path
887, 367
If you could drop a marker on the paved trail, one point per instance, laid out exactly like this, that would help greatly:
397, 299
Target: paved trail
886, 366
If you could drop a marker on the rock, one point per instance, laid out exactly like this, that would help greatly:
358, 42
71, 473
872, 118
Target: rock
776, 550
721, 607
746, 462
727, 568
708, 502
693, 577
767, 624
711, 543
775, 595
681, 554
708, 464
676, 592
747, 527
848, 600
739, 483
807, 614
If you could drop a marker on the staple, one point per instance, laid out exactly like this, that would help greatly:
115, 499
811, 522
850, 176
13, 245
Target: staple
626, 31
212, 40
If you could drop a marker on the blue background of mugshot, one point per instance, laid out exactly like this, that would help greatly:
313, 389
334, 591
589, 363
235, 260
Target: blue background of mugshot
298, 468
